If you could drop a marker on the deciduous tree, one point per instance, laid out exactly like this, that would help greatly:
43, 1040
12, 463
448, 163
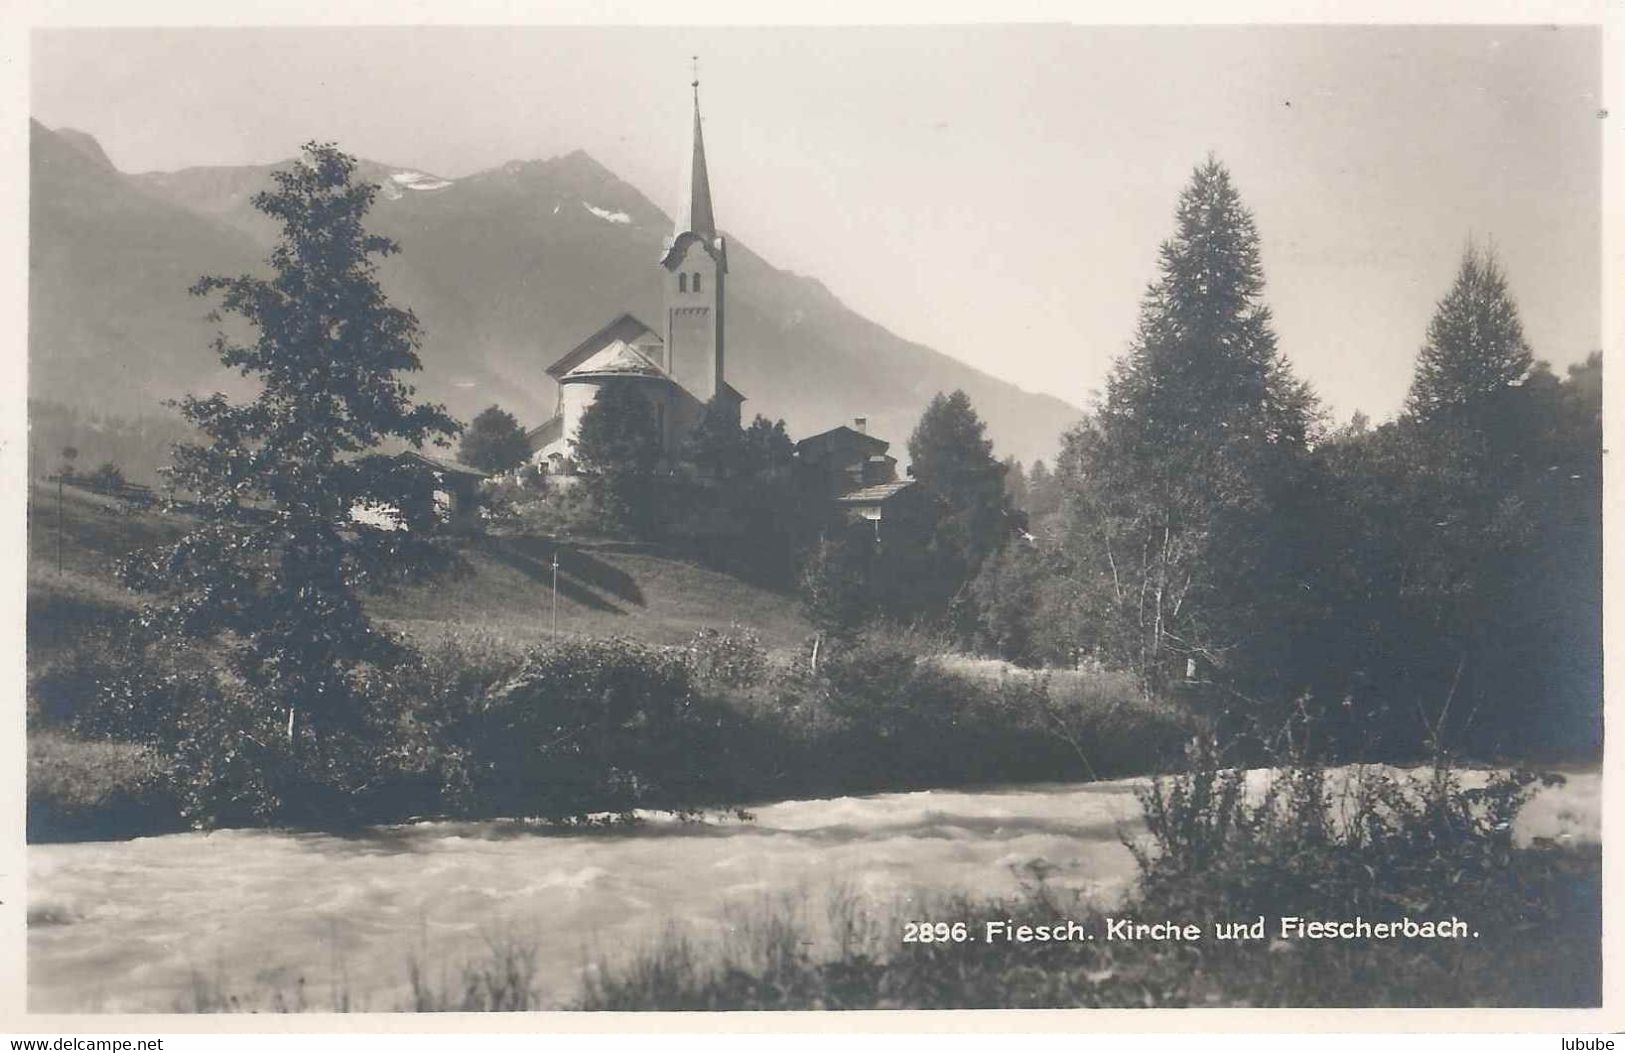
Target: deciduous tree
618, 453
494, 442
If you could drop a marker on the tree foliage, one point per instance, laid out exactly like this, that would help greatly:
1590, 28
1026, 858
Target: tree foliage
1461, 551
963, 490
1177, 527
738, 495
1007, 591
834, 587
275, 564
618, 452
1475, 350
494, 442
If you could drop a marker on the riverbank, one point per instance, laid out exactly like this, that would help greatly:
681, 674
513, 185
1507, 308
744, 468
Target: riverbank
192, 921
1347, 888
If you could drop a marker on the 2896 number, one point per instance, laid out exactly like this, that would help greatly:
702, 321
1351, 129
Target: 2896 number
935, 932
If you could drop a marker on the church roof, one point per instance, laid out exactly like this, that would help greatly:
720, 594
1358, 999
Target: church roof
624, 328
618, 349
618, 358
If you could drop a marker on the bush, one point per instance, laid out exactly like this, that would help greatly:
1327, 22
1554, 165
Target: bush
735, 658
107, 477
1310, 844
97, 790
560, 509
113, 683
595, 727
903, 720
567, 731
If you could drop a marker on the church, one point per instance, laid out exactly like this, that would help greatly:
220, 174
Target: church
679, 365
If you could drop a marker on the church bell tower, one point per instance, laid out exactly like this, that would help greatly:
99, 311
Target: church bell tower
696, 265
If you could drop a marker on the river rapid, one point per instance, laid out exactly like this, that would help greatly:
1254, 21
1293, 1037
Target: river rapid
310, 920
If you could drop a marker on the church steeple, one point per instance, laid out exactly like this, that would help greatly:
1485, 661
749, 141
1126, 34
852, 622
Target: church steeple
696, 266
695, 209
695, 219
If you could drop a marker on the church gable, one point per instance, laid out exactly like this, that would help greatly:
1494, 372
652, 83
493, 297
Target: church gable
618, 357
625, 329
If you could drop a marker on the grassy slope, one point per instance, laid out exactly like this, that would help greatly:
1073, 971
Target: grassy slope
502, 589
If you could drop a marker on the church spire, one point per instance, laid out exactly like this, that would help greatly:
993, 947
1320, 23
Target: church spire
694, 210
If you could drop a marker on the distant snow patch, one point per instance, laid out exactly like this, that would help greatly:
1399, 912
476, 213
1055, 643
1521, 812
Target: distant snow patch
604, 213
419, 181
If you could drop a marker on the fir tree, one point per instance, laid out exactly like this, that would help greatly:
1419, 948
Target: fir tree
1475, 349
963, 482
1016, 490
274, 566
1177, 490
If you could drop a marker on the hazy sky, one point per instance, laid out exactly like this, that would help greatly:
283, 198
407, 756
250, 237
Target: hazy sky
998, 193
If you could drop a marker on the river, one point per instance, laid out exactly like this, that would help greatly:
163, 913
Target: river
178, 921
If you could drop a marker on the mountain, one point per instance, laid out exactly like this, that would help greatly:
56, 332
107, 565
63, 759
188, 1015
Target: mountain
506, 269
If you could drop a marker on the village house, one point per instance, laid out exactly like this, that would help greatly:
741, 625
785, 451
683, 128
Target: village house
851, 468
456, 491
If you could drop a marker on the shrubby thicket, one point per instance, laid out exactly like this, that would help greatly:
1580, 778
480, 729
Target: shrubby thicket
585, 730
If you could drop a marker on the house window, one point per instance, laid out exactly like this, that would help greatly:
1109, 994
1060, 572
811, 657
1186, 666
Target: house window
696, 281
682, 283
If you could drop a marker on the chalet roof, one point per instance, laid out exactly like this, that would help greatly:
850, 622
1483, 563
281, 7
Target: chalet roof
875, 494
624, 328
442, 464
842, 436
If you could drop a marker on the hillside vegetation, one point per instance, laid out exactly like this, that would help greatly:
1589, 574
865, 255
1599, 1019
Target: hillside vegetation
652, 697
499, 588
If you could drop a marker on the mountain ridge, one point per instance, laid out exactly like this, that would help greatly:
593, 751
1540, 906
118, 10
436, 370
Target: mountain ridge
506, 268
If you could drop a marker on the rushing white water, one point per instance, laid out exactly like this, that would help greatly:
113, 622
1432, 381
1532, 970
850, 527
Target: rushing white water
140, 925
